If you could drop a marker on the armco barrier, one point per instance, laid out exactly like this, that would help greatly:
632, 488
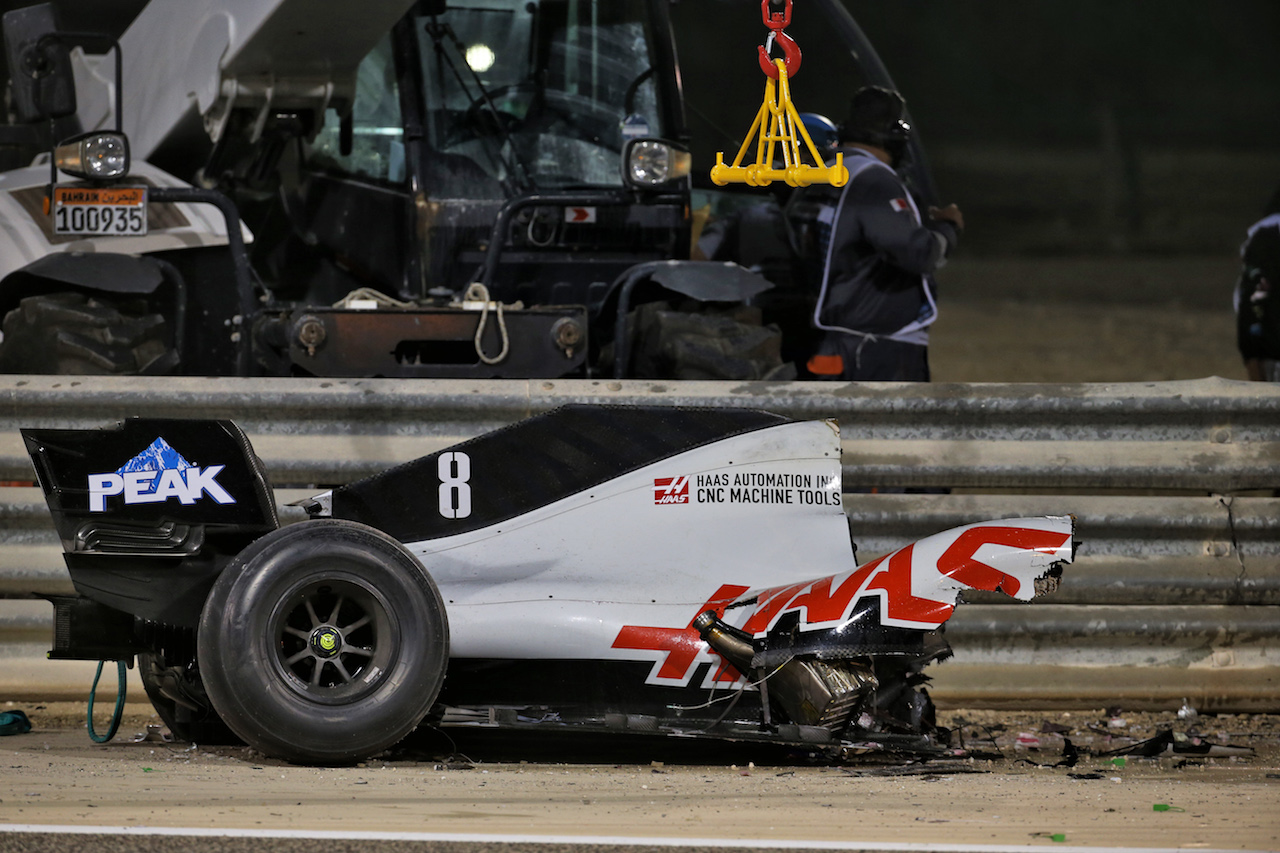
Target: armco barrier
1175, 592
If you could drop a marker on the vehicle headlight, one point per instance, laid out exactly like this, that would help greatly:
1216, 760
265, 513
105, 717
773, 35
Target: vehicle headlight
95, 156
654, 163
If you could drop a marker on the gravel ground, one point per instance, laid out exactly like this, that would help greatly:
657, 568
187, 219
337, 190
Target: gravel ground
1018, 790
1120, 319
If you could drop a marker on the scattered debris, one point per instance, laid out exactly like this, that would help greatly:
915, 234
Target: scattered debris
1169, 742
1070, 756
154, 733
915, 768
1026, 740
455, 765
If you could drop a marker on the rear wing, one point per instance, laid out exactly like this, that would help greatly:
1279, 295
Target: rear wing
151, 486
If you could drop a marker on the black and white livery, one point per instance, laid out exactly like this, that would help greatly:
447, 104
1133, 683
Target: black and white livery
645, 570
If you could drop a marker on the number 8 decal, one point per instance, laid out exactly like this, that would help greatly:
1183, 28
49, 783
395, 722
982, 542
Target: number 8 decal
455, 491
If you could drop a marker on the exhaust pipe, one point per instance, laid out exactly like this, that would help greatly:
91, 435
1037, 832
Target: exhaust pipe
810, 692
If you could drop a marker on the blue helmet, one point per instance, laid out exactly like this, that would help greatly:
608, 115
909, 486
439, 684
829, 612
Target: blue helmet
821, 130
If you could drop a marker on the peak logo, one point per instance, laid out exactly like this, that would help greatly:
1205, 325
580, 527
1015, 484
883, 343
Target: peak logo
154, 476
671, 490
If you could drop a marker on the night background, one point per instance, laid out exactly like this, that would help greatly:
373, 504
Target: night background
1165, 114
1062, 126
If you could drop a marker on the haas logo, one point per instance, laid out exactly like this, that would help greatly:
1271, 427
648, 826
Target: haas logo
671, 490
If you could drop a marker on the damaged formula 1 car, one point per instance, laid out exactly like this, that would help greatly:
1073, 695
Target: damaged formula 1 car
661, 571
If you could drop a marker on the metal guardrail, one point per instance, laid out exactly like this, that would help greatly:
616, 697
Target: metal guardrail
1175, 592
1208, 434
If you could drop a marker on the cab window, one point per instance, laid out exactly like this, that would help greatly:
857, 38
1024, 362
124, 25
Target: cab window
377, 151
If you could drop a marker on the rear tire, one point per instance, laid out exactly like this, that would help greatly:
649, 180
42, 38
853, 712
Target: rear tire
323, 642
71, 333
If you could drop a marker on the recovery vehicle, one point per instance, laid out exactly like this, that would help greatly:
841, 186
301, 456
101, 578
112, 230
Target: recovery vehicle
434, 188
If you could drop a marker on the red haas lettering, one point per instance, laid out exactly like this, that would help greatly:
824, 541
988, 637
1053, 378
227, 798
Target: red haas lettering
893, 578
671, 490
917, 586
680, 646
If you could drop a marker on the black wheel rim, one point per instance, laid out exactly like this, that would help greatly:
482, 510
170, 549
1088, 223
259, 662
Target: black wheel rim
334, 640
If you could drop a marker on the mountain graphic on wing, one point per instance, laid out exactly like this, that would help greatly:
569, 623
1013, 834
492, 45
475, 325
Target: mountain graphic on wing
158, 456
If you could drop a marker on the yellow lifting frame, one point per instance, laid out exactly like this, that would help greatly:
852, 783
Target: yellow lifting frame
777, 123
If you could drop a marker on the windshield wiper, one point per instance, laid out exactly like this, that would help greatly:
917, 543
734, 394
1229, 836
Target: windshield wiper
515, 167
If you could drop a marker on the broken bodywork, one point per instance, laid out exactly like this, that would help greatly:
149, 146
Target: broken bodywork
660, 571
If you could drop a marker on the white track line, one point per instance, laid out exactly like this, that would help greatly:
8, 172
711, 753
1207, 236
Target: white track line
594, 840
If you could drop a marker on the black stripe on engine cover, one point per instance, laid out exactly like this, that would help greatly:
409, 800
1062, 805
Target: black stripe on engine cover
536, 462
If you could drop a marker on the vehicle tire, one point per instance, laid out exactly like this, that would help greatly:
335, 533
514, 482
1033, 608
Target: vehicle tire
323, 642
707, 343
181, 702
71, 333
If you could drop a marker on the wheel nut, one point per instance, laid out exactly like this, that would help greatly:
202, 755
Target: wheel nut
325, 642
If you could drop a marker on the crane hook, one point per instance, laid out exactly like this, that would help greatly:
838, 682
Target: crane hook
777, 22
790, 54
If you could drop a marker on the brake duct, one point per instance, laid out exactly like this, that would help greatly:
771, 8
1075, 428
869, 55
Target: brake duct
811, 692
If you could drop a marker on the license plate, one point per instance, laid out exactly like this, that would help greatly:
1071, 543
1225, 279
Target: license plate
100, 211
